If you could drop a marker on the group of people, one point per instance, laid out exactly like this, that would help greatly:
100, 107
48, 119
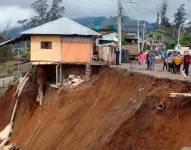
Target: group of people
172, 62
148, 59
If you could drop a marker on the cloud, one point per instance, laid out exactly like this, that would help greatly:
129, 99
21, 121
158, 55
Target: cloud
20, 9
12, 14
18, 3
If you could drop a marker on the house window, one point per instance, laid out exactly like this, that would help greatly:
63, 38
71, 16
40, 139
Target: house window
46, 45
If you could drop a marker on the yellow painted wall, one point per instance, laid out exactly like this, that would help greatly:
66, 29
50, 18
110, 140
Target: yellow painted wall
72, 52
38, 54
76, 52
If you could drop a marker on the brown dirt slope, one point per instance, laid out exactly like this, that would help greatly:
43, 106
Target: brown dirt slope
6, 106
117, 112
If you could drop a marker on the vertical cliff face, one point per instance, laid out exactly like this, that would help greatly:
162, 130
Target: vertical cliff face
117, 111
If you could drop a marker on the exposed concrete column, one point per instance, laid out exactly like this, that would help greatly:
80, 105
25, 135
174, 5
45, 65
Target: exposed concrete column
87, 72
40, 82
57, 74
61, 74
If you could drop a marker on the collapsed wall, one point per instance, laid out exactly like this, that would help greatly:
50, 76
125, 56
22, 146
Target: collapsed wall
117, 111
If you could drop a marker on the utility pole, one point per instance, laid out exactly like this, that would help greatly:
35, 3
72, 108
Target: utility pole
120, 8
179, 32
138, 35
173, 26
143, 43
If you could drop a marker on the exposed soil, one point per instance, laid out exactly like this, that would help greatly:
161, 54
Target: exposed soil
6, 107
116, 112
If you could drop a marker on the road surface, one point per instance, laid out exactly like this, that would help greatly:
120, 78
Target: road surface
158, 73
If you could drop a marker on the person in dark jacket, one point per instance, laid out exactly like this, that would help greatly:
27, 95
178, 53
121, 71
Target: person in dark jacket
151, 59
148, 61
187, 59
117, 52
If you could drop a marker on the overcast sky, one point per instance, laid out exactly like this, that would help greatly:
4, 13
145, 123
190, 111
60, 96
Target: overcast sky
14, 10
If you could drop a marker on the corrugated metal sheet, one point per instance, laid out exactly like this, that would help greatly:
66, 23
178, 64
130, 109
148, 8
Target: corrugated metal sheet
110, 37
62, 26
6, 42
14, 40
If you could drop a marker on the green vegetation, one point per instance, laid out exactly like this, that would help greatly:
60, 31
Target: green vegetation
167, 32
164, 35
8, 69
6, 54
43, 13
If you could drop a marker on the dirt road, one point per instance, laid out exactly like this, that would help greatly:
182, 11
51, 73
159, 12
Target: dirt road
158, 72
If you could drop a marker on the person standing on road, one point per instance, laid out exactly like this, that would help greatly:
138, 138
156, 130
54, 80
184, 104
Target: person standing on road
139, 59
152, 62
148, 60
117, 52
187, 60
178, 62
165, 63
142, 58
170, 63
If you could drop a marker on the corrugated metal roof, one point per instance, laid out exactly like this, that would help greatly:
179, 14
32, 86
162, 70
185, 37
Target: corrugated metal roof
110, 37
6, 42
14, 40
62, 26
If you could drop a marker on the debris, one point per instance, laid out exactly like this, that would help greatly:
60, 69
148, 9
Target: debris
40, 97
77, 82
142, 89
186, 148
70, 77
134, 101
10, 147
5, 134
173, 95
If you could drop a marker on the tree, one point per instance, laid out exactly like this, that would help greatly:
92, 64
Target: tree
43, 14
185, 38
158, 19
163, 14
180, 16
56, 11
5, 52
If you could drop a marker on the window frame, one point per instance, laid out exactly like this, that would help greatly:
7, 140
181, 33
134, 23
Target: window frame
46, 44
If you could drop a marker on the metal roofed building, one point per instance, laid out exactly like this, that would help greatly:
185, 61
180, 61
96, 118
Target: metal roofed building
60, 48
62, 26
63, 41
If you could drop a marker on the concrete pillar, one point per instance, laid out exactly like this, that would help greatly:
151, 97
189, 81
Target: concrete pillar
57, 74
61, 74
40, 82
88, 72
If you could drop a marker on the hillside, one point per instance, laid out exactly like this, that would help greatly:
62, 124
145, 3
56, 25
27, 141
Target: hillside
118, 111
129, 25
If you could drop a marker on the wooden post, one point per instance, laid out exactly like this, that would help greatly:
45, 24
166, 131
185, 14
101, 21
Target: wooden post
173, 95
